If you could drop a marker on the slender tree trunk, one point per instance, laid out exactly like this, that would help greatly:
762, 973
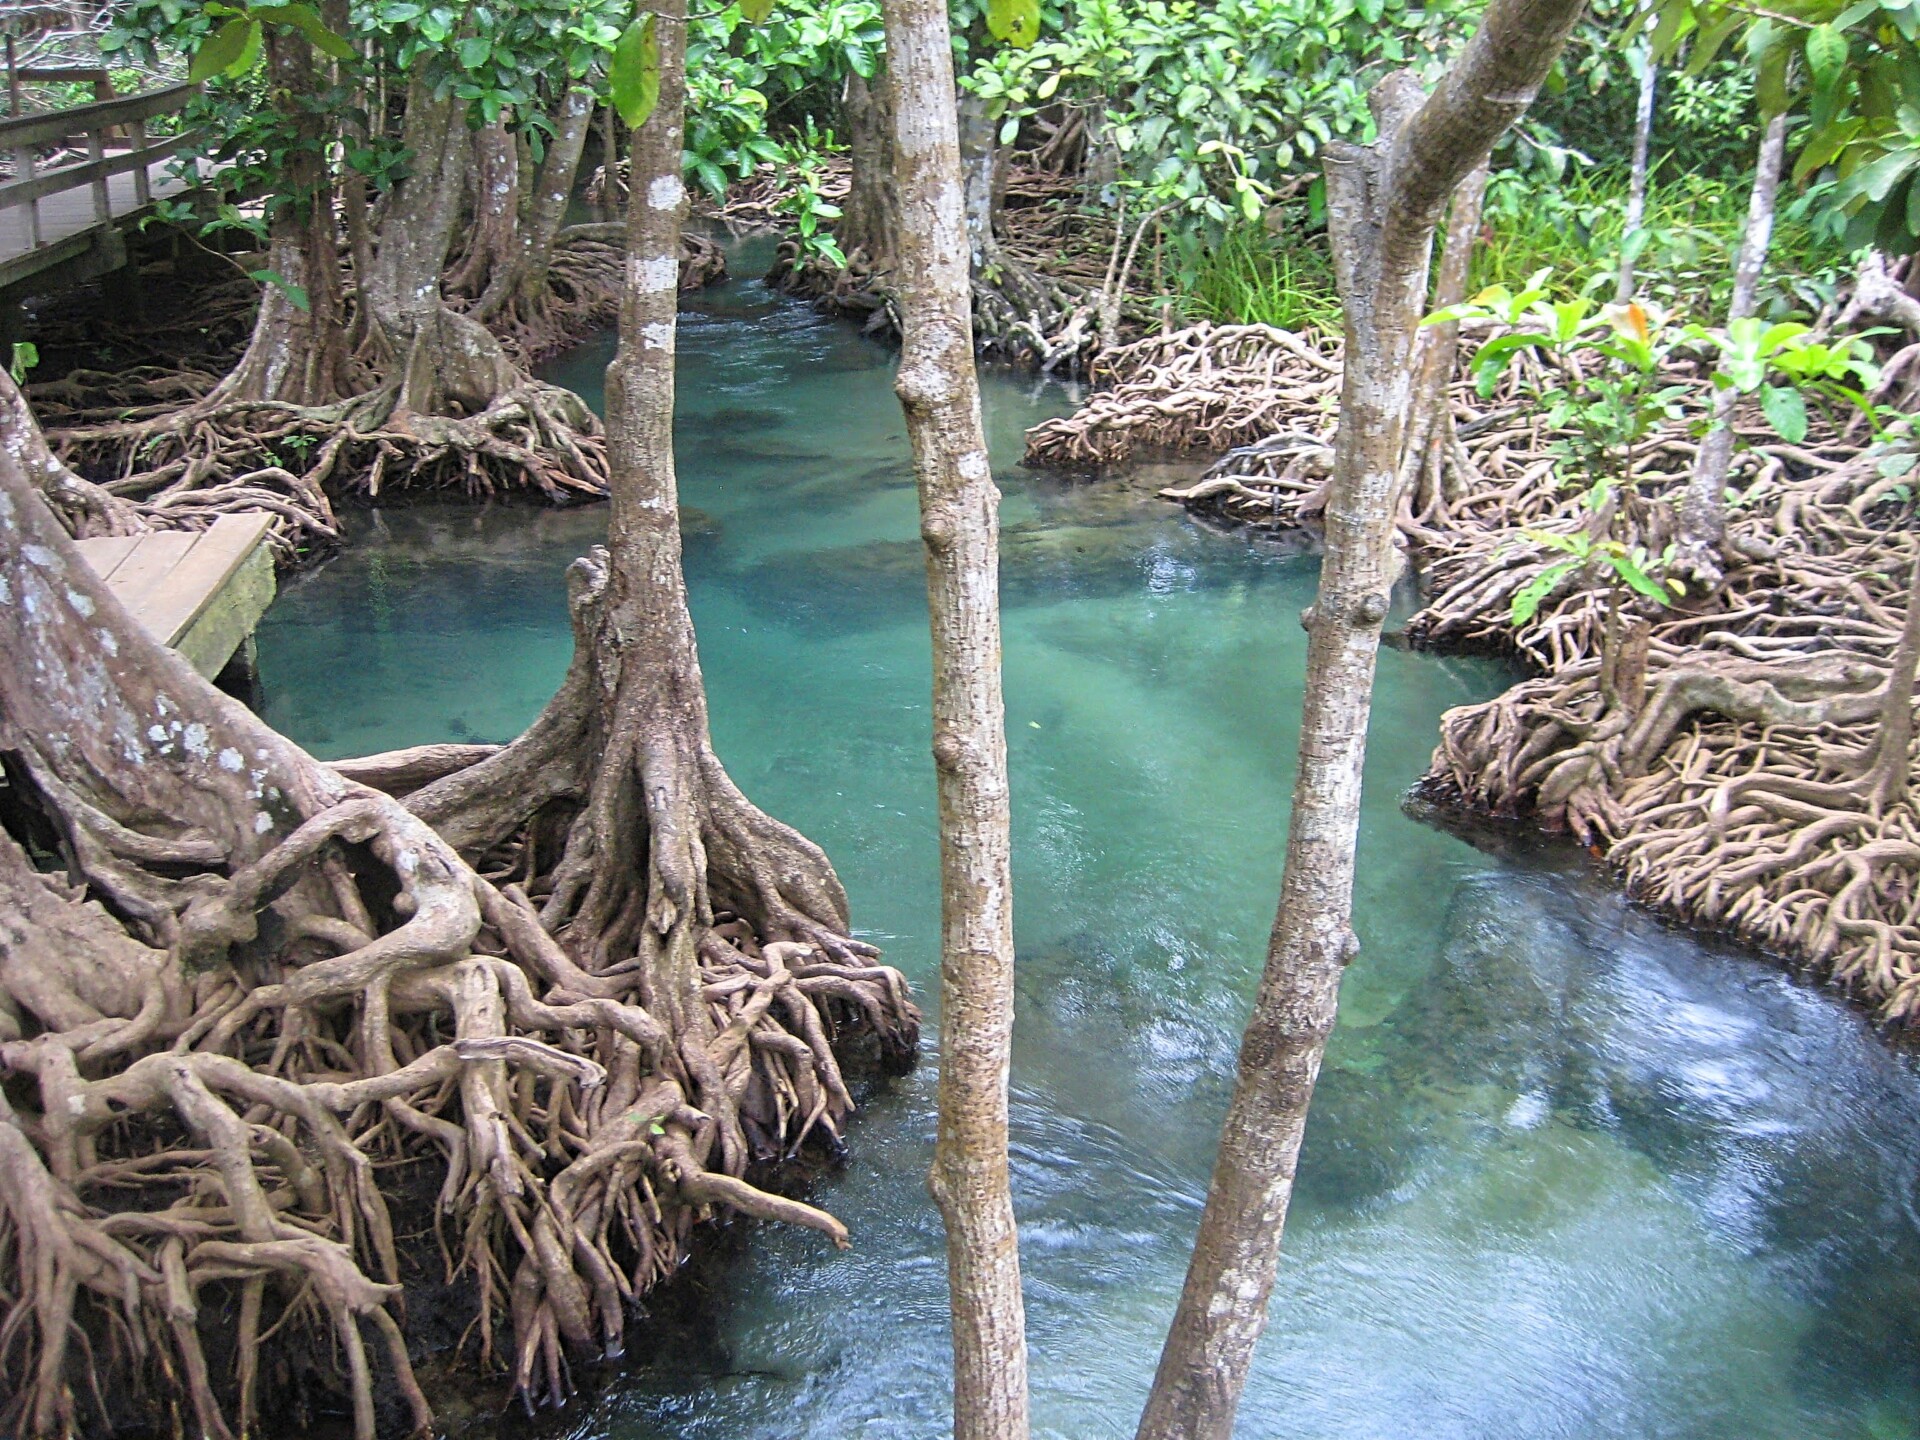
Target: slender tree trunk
979, 163
870, 217
1430, 430
959, 509
1383, 203
610, 153
548, 211
1703, 506
1637, 183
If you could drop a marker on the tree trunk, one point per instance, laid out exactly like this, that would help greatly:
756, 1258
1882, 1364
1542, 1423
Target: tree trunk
1637, 183
1703, 505
960, 525
1425, 467
298, 352
548, 211
492, 241
870, 215
1383, 203
979, 165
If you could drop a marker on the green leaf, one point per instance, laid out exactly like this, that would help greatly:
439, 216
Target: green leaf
1786, 412
223, 50
26, 355
1014, 22
1526, 600
1826, 54
296, 294
1625, 567
307, 21
475, 51
755, 12
633, 77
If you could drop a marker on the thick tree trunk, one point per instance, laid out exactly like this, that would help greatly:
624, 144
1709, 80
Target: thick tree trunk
959, 523
298, 352
492, 241
870, 215
1703, 506
1383, 203
1637, 181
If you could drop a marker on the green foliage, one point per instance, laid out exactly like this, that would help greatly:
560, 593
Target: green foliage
1621, 564
804, 158
1683, 252
1014, 22
1785, 365
633, 75
1602, 383
296, 294
25, 356
1606, 373
1254, 277
1853, 68
1208, 108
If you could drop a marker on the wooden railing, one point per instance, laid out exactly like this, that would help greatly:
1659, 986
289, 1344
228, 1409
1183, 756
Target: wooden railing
126, 117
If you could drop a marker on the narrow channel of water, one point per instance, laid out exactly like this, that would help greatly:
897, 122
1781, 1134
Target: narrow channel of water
1568, 1173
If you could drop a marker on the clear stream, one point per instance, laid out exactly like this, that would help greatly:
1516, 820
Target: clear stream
1569, 1173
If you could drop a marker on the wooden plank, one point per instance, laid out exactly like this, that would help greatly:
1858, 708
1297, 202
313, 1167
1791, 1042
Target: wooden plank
230, 615
177, 598
95, 171
52, 128
151, 562
105, 555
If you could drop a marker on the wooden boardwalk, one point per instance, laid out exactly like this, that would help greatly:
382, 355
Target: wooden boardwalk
201, 592
78, 176
66, 217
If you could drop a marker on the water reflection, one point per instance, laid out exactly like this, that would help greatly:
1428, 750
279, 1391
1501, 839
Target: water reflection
1569, 1174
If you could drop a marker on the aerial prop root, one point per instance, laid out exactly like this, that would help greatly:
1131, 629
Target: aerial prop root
574, 1161
239, 455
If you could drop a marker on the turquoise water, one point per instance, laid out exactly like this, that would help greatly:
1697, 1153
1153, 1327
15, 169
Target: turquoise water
1568, 1174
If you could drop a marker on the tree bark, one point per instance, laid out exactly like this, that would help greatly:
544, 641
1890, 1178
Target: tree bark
298, 353
1637, 181
959, 505
1424, 467
1703, 505
548, 211
491, 243
1383, 203
870, 216
979, 165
